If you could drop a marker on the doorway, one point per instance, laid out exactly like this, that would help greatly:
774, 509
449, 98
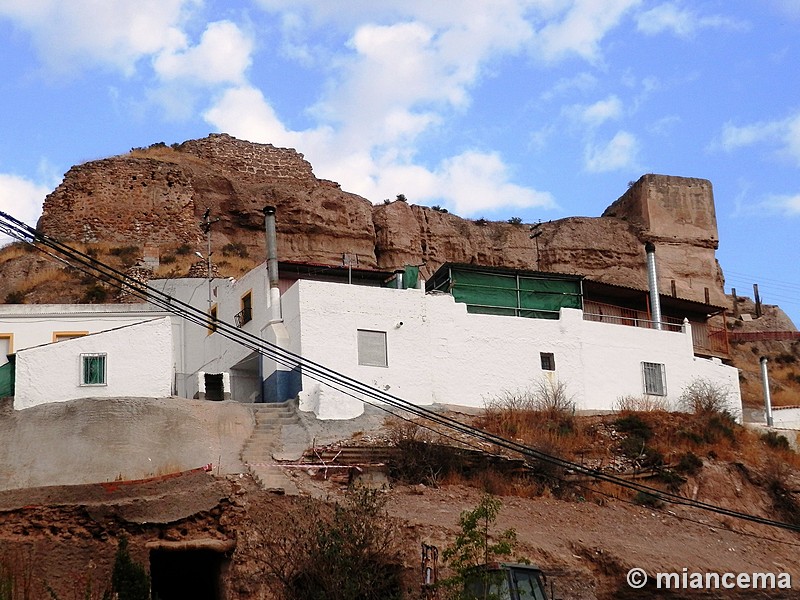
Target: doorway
181, 574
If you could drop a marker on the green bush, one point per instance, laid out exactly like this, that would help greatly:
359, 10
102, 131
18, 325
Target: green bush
235, 249
648, 500
776, 441
689, 464
129, 580
15, 297
352, 555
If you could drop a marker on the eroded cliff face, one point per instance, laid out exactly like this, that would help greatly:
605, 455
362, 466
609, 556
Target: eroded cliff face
157, 196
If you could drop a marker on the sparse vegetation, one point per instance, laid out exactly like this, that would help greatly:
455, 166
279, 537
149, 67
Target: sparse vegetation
474, 546
776, 441
235, 249
643, 403
128, 255
129, 580
515, 221
15, 297
348, 551
703, 397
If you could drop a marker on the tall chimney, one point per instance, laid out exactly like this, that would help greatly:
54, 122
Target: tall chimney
272, 263
652, 281
765, 384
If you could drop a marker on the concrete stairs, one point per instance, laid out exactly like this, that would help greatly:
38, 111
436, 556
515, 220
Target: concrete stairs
278, 436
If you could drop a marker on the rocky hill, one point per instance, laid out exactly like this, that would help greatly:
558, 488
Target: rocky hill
156, 197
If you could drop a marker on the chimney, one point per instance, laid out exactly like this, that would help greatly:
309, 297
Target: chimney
652, 281
765, 385
272, 263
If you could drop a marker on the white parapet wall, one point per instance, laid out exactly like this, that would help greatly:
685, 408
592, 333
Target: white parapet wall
138, 362
436, 352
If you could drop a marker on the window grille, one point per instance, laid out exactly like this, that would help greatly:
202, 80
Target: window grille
654, 376
93, 369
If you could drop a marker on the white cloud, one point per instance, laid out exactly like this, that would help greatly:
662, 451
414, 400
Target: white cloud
787, 205
581, 29
582, 82
784, 133
476, 181
681, 22
222, 56
79, 33
22, 199
598, 113
468, 183
619, 153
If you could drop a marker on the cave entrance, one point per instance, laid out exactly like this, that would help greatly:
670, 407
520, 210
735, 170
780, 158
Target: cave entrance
177, 574
215, 389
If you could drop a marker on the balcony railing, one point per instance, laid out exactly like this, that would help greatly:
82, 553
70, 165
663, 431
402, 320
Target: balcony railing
243, 316
706, 339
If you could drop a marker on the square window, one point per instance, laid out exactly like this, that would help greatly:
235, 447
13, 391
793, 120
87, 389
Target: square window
655, 382
372, 348
548, 361
93, 369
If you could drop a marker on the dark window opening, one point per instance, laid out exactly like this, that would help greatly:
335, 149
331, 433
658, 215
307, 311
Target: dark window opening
214, 387
247, 308
212, 321
181, 574
548, 361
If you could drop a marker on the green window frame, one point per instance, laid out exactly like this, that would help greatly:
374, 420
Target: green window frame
93, 369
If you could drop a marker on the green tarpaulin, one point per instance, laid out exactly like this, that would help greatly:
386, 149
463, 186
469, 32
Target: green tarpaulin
517, 295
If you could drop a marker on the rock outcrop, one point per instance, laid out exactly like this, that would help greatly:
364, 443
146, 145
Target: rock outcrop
156, 196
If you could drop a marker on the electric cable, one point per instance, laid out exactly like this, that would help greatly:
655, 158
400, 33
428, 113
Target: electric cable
338, 381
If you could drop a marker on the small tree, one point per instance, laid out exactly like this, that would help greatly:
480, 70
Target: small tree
473, 546
129, 579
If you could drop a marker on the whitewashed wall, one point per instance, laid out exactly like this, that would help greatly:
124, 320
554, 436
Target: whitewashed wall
201, 352
139, 363
786, 417
442, 354
34, 324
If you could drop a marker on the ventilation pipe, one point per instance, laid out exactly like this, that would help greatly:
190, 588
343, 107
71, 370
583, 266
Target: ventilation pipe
279, 382
652, 281
767, 398
272, 264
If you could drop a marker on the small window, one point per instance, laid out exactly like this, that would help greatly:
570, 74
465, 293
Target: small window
212, 320
6, 346
372, 348
62, 336
654, 376
548, 361
93, 369
246, 314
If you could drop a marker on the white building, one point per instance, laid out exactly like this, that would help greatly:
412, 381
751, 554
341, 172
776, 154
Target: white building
426, 348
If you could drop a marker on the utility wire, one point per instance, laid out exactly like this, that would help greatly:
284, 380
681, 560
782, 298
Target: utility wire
339, 381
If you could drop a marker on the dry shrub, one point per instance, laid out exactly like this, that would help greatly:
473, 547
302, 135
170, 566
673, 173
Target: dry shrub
704, 397
780, 491
644, 403
322, 552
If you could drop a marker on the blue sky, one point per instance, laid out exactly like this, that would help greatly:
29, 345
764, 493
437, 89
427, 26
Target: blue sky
534, 108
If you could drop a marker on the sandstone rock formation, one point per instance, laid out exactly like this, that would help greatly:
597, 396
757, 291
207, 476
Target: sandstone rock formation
156, 196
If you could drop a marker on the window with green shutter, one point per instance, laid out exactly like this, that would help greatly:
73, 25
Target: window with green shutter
93, 369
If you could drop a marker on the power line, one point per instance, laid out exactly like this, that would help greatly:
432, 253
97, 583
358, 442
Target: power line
338, 381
